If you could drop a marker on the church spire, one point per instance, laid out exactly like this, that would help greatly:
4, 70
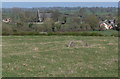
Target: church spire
39, 16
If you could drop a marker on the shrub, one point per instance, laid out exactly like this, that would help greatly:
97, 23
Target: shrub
30, 25
19, 24
6, 29
93, 21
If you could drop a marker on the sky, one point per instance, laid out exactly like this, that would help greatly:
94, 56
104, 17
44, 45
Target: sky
60, 0
58, 4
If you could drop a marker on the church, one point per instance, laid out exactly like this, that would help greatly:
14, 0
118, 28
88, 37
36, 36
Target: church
42, 16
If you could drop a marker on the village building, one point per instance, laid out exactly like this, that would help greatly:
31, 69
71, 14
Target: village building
42, 16
107, 24
7, 20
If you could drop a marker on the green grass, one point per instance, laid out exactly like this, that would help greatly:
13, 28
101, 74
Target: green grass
106, 32
48, 56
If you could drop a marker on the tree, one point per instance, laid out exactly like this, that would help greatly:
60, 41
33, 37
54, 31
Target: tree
76, 20
55, 15
93, 21
118, 21
49, 25
82, 12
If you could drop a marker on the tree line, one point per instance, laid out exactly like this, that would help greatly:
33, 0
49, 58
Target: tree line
63, 19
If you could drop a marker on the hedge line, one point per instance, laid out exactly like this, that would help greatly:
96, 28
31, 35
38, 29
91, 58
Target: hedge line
58, 33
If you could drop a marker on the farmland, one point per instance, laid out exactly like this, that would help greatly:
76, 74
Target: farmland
50, 56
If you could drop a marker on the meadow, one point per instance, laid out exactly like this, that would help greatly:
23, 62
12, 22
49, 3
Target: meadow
51, 56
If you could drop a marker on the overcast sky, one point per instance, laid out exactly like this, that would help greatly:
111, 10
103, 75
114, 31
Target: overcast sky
60, 0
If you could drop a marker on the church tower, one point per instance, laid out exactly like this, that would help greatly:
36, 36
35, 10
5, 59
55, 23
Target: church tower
39, 16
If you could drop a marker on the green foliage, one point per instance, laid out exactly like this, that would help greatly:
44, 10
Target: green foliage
7, 29
116, 35
49, 25
56, 15
30, 25
71, 20
82, 12
85, 26
19, 24
93, 21
76, 33
58, 27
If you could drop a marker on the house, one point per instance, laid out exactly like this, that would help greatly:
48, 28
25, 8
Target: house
6, 20
107, 24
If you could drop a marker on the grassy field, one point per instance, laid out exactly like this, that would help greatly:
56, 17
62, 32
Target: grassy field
51, 56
